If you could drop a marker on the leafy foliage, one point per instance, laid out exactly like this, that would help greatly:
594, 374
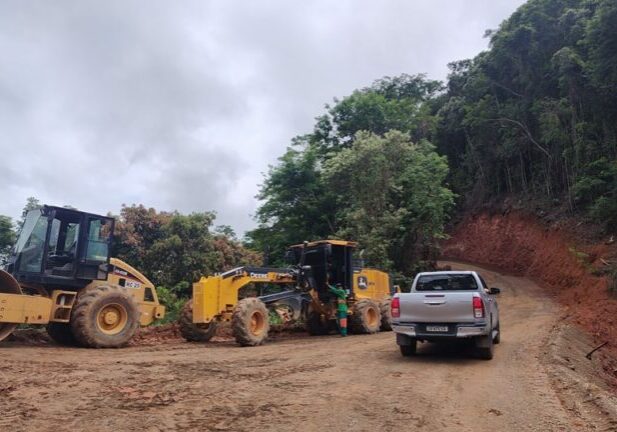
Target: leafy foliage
536, 113
7, 237
392, 199
171, 248
359, 176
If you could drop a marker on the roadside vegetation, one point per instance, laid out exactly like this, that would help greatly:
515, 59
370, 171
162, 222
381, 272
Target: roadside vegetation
533, 116
389, 164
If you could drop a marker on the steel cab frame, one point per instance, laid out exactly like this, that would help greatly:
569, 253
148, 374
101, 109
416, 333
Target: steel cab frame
60, 246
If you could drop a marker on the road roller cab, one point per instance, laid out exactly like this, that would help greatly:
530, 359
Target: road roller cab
60, 246
60, 274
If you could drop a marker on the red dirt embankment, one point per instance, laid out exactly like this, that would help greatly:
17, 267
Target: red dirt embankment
549, 253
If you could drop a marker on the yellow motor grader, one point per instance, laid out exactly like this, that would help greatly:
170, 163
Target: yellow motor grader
60, 274
304, 293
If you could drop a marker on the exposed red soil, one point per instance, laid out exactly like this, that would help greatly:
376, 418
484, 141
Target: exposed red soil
555, 254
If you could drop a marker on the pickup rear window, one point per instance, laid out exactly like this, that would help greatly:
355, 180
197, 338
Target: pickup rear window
447, 282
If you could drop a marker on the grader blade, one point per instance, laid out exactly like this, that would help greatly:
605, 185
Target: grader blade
8, 285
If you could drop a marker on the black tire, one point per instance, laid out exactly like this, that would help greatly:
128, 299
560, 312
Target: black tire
485, 352
250, 322
366, 317
386, 315
316, 325
497, 339
195, 332
94, 311
61, 333
409, 350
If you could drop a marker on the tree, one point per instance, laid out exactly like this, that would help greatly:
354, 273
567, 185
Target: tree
32, 203
393, 199
175, 250
297, 205
530, 115
7, 237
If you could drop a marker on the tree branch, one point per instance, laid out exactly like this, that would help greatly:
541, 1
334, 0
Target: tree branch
524, 128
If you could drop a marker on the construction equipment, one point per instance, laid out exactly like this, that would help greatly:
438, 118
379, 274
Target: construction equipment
60, 274
305, 294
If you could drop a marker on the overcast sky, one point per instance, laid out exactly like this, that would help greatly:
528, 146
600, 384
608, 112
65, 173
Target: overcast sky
182, 105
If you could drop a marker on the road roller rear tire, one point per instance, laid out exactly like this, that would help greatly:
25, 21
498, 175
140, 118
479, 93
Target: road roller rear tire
366, 317
61, 333
250, 322
105, 316
195, 332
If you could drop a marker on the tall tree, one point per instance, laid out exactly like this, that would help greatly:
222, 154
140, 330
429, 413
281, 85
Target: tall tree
7, 237
392, 197
297, 205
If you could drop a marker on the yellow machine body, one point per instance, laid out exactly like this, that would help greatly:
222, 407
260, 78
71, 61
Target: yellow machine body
140, 288
372, 284
56, 306
216, 296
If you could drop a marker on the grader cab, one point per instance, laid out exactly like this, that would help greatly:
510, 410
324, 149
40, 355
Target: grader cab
304, 293
60, 274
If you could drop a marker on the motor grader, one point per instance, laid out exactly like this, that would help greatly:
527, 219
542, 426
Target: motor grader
304, 294
60, 275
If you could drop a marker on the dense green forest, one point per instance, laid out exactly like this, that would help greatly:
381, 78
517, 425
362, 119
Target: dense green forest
534, 116
537, 113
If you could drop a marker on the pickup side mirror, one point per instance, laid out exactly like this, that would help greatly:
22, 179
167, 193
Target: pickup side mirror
494, 291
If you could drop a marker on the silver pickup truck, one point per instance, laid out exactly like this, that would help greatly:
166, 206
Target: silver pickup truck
447, 305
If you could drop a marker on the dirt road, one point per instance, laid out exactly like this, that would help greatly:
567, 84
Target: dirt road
360, 383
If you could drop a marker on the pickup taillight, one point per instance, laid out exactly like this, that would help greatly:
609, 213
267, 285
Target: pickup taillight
478, 307
395, 307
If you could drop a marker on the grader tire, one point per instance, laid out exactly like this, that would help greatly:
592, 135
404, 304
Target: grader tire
315, 325
250, 322
61, 333
366, 317
195, 332
105, 316
386, 315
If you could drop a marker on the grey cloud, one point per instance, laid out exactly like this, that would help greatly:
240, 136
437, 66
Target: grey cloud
182, 105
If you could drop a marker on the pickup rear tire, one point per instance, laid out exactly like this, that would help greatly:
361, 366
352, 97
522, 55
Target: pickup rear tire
485, 347
497, 338
409, 350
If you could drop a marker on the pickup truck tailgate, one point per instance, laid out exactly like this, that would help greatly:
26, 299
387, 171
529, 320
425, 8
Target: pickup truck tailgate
436, 307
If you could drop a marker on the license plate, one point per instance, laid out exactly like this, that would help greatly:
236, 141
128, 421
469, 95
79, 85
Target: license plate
433, 328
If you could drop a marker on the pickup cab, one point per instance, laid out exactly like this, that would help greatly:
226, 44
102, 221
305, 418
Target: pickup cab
444, 306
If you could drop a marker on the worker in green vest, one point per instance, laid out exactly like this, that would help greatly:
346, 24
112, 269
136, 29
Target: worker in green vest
341, 309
